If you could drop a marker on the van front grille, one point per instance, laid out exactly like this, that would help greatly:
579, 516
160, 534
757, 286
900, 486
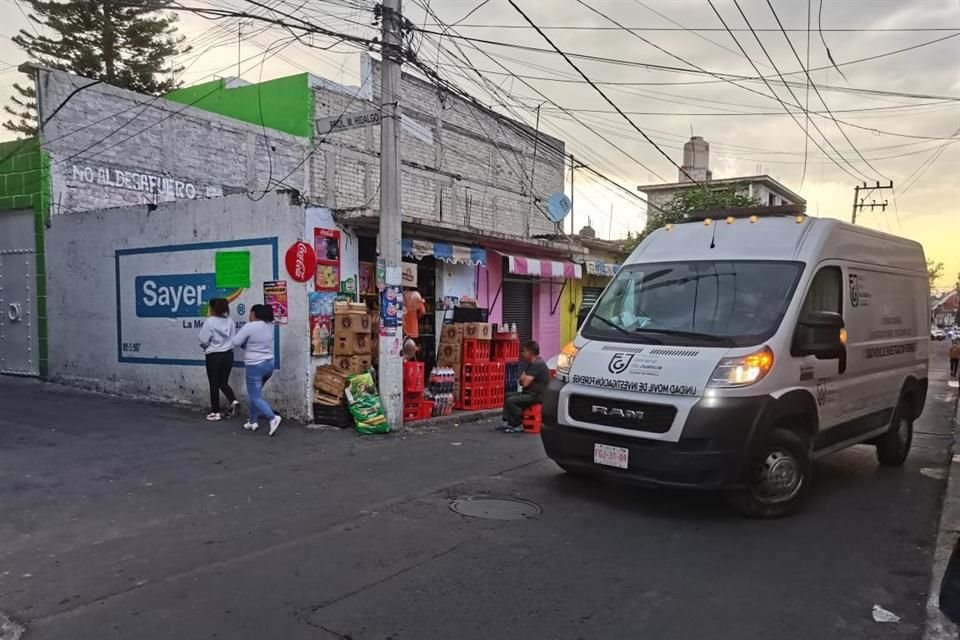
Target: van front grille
636, 416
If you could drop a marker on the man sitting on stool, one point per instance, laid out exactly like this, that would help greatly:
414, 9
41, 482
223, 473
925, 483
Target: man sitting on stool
534, 380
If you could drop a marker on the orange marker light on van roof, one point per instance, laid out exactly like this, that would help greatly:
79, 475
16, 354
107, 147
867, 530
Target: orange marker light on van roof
669, 227
800, 219
753, 219
707, 221
729, 219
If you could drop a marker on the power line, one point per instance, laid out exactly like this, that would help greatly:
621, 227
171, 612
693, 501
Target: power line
783, 104
657, 67
560, 107
810, 82
706, 29
600, 91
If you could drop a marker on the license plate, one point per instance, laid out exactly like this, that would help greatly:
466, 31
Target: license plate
610, 456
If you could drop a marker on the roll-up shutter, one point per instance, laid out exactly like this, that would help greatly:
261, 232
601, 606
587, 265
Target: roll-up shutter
518, 307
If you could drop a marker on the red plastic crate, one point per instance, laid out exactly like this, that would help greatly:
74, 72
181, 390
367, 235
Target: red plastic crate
474, 397
506, 350
475, 351
475, 373
413, 376
532, 418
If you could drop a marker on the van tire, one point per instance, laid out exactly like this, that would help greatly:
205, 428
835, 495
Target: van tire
893, 447
783, 457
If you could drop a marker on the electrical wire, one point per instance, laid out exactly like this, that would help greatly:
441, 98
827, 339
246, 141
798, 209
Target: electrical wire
783, 104
811, 83
601, 92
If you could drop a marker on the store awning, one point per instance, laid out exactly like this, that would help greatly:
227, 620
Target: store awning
443, 251
601, 268
518, 265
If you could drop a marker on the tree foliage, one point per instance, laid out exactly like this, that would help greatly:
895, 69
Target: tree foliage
935, 271
690, 201
126, 46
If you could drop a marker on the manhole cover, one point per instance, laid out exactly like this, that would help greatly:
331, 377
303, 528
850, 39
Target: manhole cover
496, 508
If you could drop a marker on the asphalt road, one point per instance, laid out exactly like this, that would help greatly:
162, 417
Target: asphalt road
121, 520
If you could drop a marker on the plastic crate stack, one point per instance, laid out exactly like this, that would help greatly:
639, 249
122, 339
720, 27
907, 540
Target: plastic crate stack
506, 350
512, 376
415, 407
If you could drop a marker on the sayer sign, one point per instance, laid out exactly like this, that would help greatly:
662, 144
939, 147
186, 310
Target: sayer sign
164, 293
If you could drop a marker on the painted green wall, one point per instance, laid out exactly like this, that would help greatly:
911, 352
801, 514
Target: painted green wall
25, 184
286, 104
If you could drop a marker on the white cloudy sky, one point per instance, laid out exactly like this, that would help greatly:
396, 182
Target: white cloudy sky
905, 138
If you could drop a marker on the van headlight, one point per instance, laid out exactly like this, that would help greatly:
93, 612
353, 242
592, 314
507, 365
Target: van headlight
742, 371
565, 360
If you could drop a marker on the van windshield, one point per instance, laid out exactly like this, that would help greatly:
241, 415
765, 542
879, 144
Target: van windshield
723, 303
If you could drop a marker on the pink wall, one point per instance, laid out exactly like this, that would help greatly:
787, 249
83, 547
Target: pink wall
488, 286
546, 327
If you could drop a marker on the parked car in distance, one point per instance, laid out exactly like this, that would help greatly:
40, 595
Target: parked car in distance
936, 333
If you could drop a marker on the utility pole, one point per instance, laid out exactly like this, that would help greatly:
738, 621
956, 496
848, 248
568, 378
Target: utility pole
860, 204
573, 166
391, 362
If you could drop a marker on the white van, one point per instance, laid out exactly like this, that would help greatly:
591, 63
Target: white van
729, 353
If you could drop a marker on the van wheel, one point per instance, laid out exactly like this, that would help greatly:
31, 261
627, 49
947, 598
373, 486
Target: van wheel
893, 447
779, 476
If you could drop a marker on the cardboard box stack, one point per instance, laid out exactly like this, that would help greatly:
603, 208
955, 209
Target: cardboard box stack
352, 338
328, 405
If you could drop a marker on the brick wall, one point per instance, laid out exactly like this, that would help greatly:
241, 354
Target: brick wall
461, 165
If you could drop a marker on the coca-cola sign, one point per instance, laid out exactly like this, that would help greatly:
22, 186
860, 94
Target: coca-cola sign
301, 261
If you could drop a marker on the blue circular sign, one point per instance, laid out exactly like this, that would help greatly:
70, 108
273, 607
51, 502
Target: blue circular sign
558, 206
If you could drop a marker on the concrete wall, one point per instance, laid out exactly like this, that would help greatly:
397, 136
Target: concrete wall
110, 147
101, 339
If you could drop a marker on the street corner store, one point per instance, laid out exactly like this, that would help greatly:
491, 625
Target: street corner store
502, 280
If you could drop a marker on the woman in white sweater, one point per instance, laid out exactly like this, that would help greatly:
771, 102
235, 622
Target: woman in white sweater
215, 339
256, 340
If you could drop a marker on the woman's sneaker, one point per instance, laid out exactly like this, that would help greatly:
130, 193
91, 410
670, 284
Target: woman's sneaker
234, 408
251, 426
275, 424
213, 417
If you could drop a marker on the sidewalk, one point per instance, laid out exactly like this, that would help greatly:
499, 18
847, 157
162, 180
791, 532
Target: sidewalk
938, 626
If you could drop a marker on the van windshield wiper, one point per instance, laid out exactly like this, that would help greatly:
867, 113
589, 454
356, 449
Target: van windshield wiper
630, 334
611, 323
706, 337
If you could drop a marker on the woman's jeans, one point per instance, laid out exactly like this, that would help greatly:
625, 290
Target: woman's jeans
257, 376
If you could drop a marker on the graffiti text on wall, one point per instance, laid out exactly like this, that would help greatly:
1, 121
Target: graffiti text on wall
134, 181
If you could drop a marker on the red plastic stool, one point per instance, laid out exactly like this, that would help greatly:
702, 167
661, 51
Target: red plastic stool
532, 418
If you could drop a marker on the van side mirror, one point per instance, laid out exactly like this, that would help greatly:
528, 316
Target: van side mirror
820, 334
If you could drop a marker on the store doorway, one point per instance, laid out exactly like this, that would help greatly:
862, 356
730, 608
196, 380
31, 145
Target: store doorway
518, 307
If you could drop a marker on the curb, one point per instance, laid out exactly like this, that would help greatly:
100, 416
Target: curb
938, 626
455, 419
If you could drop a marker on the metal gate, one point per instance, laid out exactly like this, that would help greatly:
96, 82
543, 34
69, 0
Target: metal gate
19, 336
518, 307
